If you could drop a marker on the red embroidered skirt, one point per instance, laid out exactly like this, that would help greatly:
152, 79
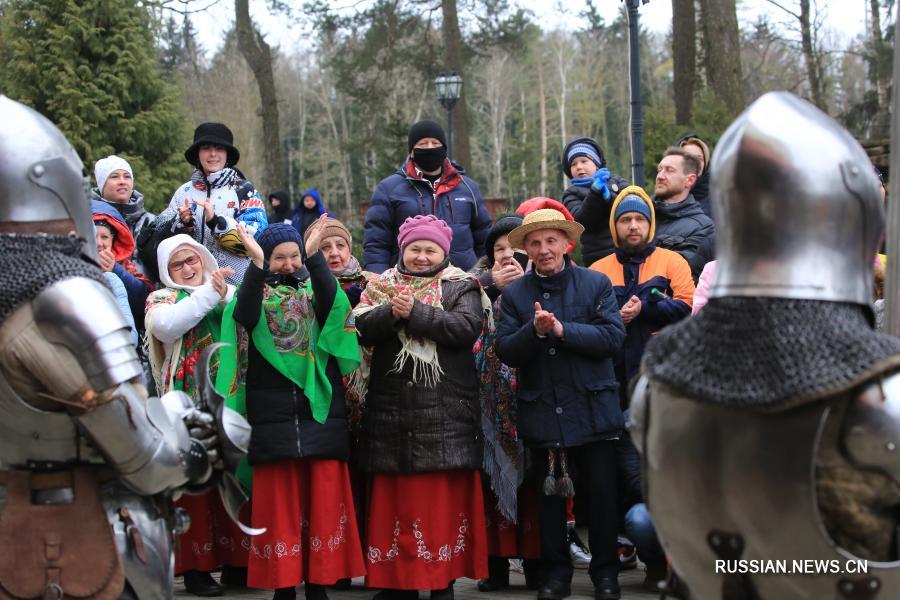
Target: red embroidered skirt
213, 539
425, 530
514, 540
311, 535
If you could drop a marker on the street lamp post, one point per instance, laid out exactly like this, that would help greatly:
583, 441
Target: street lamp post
448, 87
637, 116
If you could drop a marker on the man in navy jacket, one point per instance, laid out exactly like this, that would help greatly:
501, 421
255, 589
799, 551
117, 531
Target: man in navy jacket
427, 184
560, 326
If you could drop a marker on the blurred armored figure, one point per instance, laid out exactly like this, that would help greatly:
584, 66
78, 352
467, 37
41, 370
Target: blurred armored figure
770, 423
88, 463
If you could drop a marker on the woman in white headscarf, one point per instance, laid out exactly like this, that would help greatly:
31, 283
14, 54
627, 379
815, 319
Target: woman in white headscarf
182, 319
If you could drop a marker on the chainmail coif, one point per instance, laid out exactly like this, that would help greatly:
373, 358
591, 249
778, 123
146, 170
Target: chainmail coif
29, 263
769, 353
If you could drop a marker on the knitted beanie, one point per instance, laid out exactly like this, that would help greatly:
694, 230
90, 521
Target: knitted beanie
332, 227
425, 227
425, 129
583, 150
105, 166
275, 234
632, 203
503, 226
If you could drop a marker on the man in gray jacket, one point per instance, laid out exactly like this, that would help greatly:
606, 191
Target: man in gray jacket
681, 224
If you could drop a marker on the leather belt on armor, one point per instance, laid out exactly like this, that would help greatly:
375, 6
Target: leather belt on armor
59, 479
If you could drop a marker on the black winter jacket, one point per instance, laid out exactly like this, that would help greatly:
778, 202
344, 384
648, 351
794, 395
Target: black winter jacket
278, 410
700, 192
591, 210
567, 395
399, 196
408, 427
685, 228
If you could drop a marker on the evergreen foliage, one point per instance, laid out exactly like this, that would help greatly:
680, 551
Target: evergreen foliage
91, 67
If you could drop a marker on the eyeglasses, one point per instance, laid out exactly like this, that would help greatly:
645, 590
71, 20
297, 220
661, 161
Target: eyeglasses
191, 262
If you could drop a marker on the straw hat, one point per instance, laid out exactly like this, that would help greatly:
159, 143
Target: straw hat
544, 218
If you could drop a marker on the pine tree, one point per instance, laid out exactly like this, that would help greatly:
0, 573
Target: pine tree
91, 67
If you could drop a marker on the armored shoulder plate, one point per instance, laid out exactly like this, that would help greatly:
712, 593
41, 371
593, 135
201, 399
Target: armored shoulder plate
82, 315
872, 427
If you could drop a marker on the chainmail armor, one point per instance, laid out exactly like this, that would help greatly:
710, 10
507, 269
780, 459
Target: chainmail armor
32, 262
770, 353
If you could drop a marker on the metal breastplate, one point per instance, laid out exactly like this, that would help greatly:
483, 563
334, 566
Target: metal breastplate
30, 435
737, 485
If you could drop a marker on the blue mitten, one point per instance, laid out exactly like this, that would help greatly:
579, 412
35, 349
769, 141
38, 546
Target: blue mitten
599, 183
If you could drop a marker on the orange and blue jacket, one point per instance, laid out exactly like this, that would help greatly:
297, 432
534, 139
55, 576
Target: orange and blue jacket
662, 280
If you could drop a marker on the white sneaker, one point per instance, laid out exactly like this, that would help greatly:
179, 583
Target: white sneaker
581, 556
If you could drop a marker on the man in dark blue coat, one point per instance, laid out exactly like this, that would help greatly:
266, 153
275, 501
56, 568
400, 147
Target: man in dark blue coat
560, 325
427, 184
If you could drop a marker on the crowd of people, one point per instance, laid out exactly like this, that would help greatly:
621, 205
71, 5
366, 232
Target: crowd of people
456, 400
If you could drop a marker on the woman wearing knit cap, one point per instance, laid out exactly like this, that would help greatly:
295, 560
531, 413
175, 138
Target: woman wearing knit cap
115, 187
498, 267
292, 340
512, 530
426, 184
421, 424
337, 246
217, 198
183, 318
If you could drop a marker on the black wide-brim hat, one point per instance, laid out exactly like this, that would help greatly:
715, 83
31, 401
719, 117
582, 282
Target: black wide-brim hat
212, 133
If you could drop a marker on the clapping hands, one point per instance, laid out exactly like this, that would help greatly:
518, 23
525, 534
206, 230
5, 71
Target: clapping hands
545, 322
630, 310
402, 305
218, 280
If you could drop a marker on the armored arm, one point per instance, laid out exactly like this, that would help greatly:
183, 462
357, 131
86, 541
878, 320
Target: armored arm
637, 412
872, 427
144, 440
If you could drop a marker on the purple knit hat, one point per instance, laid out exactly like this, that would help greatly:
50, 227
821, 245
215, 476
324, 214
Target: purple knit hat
425, 227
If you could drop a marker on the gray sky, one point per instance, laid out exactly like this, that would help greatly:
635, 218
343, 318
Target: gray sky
845, 18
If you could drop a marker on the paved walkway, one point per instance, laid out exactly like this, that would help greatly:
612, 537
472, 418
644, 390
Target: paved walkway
465, 590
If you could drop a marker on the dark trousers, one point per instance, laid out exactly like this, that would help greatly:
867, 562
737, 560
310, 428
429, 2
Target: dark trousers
593, 469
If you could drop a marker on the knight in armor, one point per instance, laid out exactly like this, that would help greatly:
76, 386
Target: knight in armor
88, 463
779, 403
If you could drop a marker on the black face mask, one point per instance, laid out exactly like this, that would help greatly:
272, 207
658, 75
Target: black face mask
429, 159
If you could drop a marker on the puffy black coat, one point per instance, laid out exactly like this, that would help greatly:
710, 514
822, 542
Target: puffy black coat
408, 427
685, 228
591, 210
400, 196
278, 410
700, 192
567, 395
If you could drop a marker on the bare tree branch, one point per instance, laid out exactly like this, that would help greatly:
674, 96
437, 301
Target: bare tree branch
787, 10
